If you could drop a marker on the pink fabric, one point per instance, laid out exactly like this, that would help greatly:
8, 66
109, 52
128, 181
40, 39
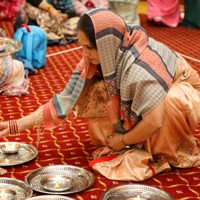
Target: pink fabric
81, 8
9, 9
165, 11
12, 77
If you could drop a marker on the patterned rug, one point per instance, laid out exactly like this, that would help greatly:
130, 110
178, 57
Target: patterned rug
70, 143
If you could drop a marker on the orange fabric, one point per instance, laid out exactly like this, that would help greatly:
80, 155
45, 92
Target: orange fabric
172, 145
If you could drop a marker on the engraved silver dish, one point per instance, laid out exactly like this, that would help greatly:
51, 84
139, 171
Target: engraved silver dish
56, 183
81, 178
135, 191
26, 152
10, 147
9, 46
50, 197
13, 189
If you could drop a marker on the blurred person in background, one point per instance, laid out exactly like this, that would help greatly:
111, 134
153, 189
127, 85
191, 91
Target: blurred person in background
83, 6
56, 17
127, 9
164, 12
192, 14
12, 74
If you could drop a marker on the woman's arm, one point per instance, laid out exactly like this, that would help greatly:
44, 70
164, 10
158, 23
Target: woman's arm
144, 130
23, 123
44, 5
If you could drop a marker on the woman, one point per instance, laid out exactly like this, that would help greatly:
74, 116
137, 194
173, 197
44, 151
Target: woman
140, 98
13, 79
161, 12
56, 18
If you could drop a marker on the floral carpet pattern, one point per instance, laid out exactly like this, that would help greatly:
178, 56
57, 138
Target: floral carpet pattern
70, 143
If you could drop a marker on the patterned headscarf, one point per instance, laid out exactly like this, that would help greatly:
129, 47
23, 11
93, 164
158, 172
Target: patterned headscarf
138, 71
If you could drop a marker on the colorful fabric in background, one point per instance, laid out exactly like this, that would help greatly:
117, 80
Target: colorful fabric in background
12, 77
83, 6
127, 9
192, 14
9, 9
164, 12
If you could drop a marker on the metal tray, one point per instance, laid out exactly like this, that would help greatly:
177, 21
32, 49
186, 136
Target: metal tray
21, 189
83, 179
26, 153
127, 191
11, 46
50, 197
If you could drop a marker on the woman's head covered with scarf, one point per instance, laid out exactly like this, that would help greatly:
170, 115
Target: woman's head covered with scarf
136, 76
138, 71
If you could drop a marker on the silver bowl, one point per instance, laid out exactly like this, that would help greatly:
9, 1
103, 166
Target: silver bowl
57, 183
10, 147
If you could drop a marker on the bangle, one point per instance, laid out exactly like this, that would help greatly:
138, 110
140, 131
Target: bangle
13, 128
123, 143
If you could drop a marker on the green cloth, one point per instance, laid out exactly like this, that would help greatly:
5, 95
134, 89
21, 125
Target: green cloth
192, 14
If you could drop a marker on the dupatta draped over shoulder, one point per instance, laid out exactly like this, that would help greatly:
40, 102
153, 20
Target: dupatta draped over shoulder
137, 70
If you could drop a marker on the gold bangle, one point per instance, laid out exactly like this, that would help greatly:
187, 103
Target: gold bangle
123, 143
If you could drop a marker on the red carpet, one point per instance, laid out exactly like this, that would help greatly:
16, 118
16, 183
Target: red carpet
70, 143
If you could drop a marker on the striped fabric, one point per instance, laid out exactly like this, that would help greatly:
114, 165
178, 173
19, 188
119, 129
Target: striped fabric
138, 71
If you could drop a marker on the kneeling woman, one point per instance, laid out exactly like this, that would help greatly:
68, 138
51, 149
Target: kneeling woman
141, 100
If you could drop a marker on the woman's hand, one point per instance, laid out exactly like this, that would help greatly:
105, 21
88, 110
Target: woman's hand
4, 132
58, 16
115, 141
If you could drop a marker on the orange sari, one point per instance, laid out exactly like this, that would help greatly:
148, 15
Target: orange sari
173, 145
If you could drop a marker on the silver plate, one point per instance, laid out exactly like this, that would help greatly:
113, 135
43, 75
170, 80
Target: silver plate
50, 197
11, 46
83, 179
21, 189
123, 192
26, 153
